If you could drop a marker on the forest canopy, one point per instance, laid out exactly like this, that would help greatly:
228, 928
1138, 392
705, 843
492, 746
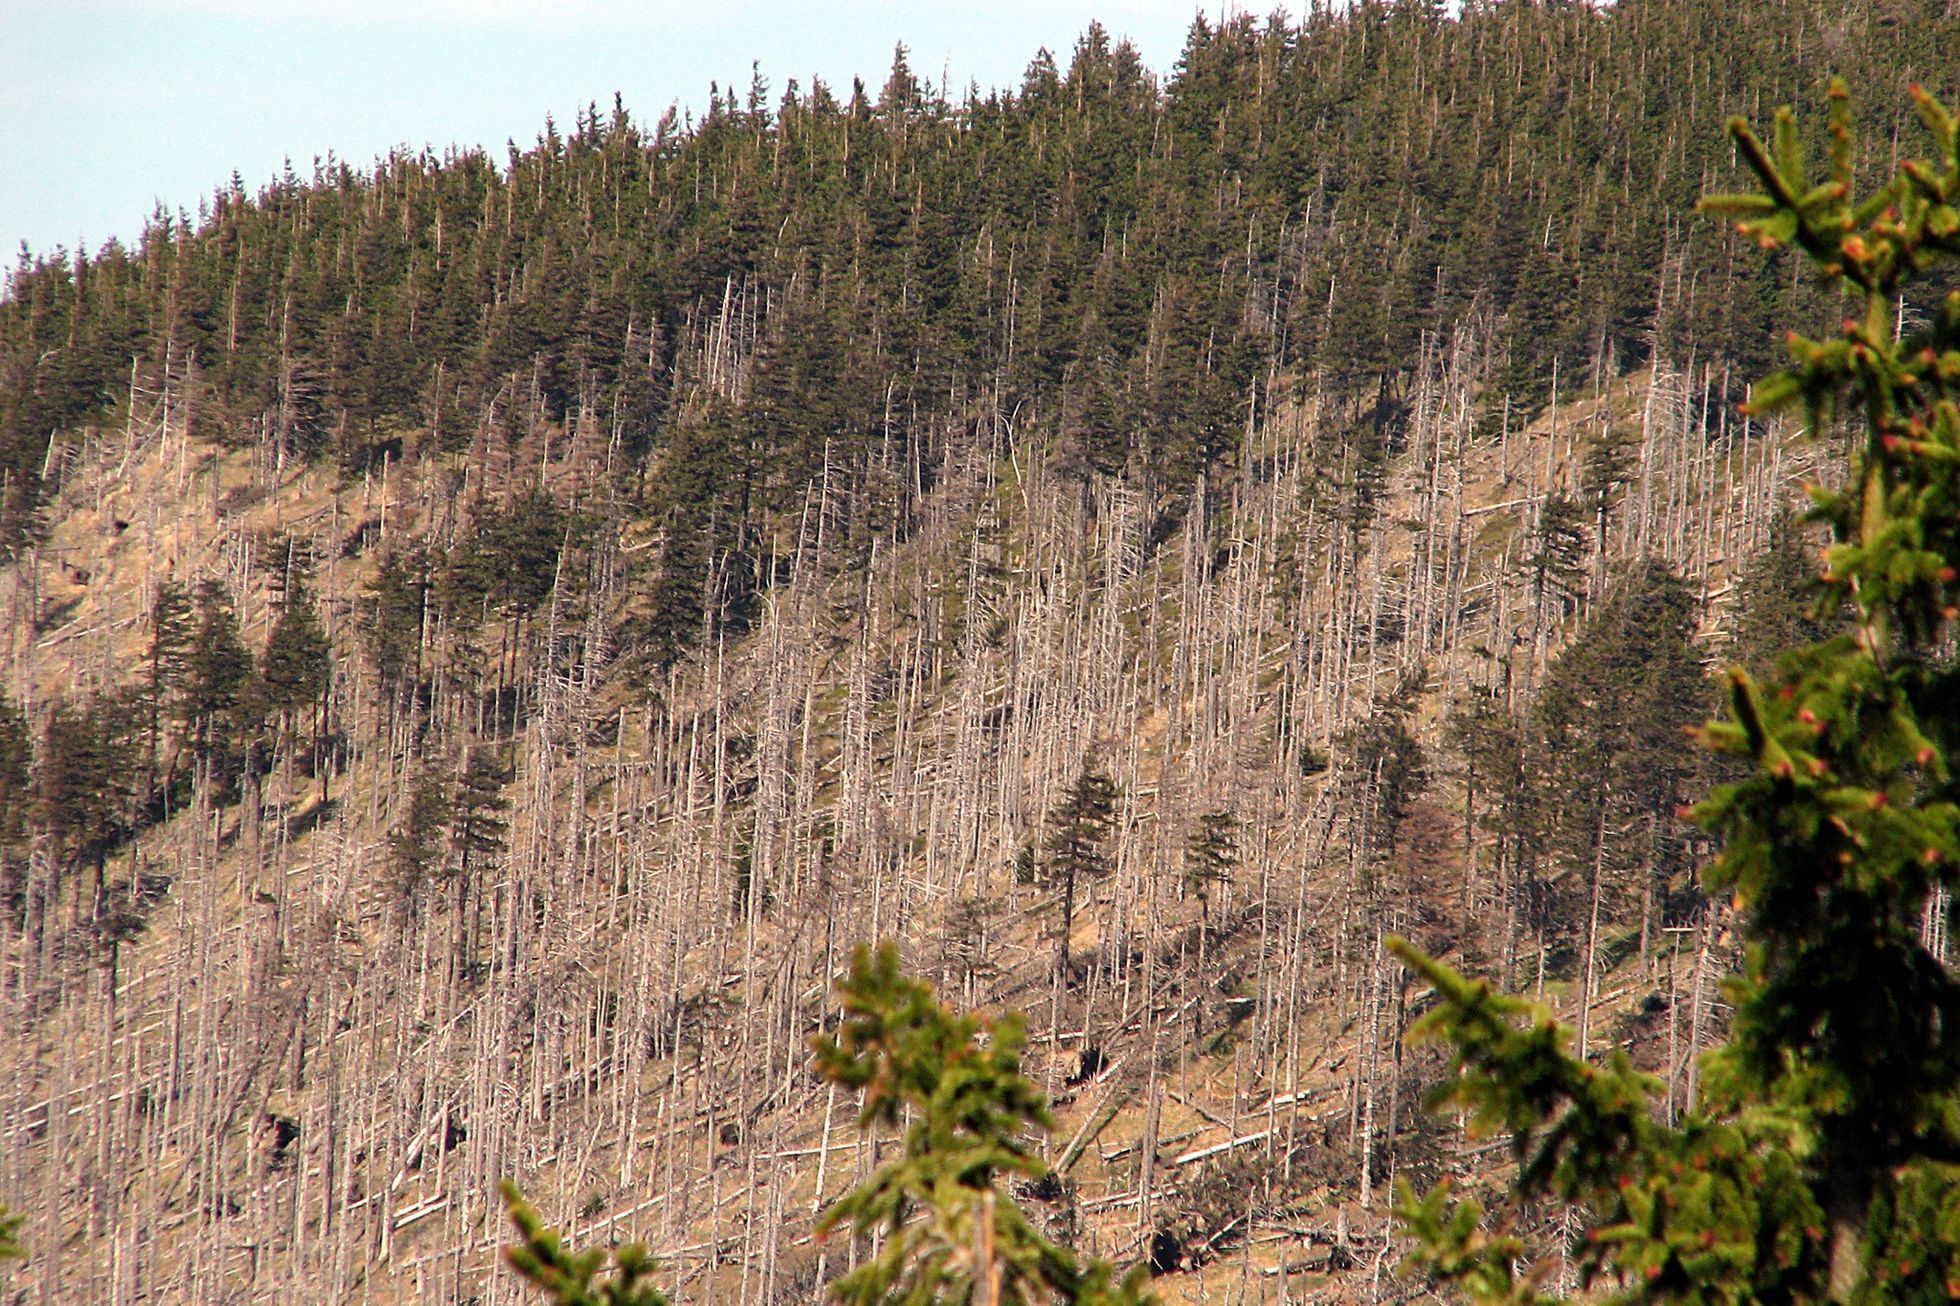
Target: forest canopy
1110, 249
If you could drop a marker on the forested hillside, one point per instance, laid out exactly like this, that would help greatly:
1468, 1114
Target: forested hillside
486, 638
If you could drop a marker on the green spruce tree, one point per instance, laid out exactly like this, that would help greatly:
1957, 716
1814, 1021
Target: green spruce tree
480, 806
1078, 834
953, 1084
298, 664
582, 1278
415, 845
16, 774
1211, 854
217, 675
10, 1248
171, 627
85, 780
1775, 600
398, 603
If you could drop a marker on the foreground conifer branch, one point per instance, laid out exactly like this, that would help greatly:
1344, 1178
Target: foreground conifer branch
577, 1278
1823, 1162
947, 1232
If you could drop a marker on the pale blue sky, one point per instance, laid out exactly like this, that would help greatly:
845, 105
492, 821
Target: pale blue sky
110, 106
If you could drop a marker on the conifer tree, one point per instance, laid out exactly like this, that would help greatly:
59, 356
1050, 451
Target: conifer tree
10, 1248
954, 1083
1608, 752
1557, 564
84, 777
1210, 855
1390, 769
1496, 800
217, 672
1078, 829
577, 1279
398, 601
16, 772
521, 545
479, 805
171, 617
415, 845
1774, 600
1823, 1162
298, 662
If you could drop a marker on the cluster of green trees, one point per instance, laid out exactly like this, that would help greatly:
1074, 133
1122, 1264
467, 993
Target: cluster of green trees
461, 620
453, 822
1119, 257
1578, 788
203, 709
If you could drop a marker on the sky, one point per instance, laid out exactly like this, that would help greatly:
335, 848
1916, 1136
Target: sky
111, 107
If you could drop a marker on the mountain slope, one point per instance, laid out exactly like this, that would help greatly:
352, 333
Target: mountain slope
749, 570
